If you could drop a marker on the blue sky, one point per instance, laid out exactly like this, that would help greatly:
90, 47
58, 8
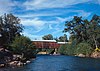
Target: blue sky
41, 17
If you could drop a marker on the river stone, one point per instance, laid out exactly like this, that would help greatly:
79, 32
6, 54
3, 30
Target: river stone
81, 55
15, 64
95, 54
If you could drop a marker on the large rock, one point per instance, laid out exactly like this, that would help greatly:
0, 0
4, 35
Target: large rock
15, 64
95, 54
17, 57
81, 55
2, 65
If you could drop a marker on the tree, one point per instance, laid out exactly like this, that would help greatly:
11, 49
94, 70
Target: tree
66, 49
57, 39
94, 31
63, 38
76, 27
23, 45
71, 38
47, 37
9, 27
84, 30
83, 48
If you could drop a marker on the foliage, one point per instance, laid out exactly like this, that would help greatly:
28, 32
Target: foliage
83, 48
71, 38
62, 49
47, 37
49, 51
23, 45
9, 27
69, 49
84, 30
62, 38
66, 49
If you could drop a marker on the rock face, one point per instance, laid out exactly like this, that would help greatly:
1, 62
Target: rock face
95, 54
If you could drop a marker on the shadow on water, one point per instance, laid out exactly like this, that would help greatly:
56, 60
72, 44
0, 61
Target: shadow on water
59, 63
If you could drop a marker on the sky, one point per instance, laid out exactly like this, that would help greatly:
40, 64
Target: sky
42, 17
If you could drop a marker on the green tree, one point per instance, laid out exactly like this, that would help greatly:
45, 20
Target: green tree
76, 27
57, 39
23, 45
63, 38
66, 49
47, 37
83, 48
94, 31
9, 27
84, 30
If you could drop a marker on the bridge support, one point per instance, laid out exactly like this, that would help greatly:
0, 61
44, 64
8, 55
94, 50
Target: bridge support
55, 52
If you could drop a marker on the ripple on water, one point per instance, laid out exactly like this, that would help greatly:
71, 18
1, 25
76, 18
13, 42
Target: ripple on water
60, 63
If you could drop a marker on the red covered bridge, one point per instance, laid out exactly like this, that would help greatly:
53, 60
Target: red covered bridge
49, 44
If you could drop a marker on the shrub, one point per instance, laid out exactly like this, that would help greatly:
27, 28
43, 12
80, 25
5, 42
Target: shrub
66, 49
83, 48
62, 49
23, 45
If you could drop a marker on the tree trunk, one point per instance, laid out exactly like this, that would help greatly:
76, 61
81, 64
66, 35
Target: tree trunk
95, 42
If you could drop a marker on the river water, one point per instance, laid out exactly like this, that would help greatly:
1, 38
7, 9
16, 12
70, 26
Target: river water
59, 63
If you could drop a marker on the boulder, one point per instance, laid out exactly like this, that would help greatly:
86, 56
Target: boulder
28, 61
95, 54
2, 65
81, 55
15, 64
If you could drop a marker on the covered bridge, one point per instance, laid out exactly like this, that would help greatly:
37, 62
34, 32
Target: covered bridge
48, 44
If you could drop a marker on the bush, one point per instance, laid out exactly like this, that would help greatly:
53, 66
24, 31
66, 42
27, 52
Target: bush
23, 45
62, 49
66, 49
83, 48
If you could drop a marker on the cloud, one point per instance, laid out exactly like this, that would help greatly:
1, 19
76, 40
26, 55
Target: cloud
32, 36
36, 23
83, 13
6, 6
44, 4
99, 1
56, 13
38, 14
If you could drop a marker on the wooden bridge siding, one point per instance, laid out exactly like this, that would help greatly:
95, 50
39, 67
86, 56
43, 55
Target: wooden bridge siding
46, 44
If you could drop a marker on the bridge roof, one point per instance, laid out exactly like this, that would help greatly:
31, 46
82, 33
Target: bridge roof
44, 40
62, 42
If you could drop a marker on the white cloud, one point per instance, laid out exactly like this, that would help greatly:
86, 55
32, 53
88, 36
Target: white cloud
32, 36
44, 4
39, 24
99, 1
55, 14
60, 19
83, 13
36, 23
39, 14
6, 6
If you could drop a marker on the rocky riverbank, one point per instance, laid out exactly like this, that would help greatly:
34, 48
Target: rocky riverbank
8, 59
95, 54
